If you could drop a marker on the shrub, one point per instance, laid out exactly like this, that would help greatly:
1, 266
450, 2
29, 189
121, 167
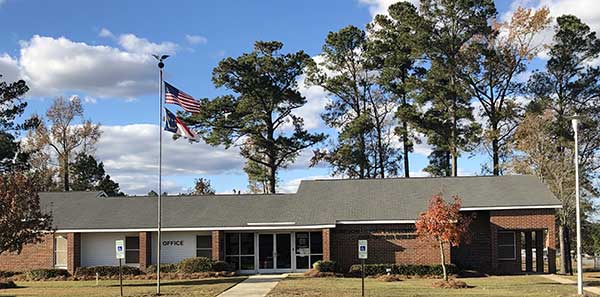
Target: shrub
6, 274
325, 266
166, 268
41, 274
106, 271
450, 284
193, 265
219, 266
7, 284
402, 269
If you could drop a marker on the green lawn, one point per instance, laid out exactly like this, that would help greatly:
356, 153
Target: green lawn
202, 287
299, 286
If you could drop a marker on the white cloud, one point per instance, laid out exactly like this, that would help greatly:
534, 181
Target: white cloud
381, 6
134, 44
106, 33
291, 186
55, 66
130, 155
316, 99
196, 39
9, 68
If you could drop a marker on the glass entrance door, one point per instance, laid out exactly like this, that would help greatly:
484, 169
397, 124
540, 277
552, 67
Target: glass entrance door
275, 252
265, 251
284, 251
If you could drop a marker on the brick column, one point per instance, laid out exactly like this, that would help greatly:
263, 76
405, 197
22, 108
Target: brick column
145, 250
73, 252
326, 245
551, 243
218, 245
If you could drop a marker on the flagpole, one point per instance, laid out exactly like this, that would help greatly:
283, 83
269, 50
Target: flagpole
161, 65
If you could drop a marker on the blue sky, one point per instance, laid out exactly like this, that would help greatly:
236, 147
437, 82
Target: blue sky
99, 51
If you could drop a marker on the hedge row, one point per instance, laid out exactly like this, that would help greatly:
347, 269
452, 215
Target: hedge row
40, 274
402, 269
193, 265
325, 266
106, 271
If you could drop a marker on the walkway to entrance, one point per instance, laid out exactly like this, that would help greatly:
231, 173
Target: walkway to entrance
254, 286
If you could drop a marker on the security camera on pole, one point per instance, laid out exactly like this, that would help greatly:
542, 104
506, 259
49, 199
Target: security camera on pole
575, 121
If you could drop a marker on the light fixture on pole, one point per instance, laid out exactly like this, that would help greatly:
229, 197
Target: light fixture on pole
575, 122
161, 65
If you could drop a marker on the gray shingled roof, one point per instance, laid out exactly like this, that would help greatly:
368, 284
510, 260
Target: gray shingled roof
317, 202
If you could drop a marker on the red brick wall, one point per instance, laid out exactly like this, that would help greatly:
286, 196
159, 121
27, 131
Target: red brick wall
387, 243
73, 251
32, 256
525, 219
145, 250
218, 245
326, 245
477, 252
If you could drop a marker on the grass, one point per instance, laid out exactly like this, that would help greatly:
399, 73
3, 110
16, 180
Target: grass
201, 287
505, 286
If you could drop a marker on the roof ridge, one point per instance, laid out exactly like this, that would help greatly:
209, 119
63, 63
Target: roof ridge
418, 177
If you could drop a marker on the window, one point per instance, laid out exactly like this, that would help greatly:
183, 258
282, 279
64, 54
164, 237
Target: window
132, 250
60, 251
204, 246
309, 249
239, 250
506, 245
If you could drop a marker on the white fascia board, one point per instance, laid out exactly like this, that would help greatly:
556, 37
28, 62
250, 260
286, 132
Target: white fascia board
271, 223
376, 222
511, 207
196, 229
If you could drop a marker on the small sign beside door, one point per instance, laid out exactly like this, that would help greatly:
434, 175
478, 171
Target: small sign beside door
362, 249
120, 249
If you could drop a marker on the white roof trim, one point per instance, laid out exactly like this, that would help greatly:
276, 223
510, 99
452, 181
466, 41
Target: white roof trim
376, 222
271, 223
510, 207
195, 229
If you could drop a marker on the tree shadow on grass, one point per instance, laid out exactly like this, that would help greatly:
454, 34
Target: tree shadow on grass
196, 282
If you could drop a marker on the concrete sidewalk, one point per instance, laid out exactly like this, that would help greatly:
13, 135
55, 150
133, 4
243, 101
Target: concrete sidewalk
254, 286
563, 280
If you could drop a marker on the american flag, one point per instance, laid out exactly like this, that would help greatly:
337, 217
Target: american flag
175, 96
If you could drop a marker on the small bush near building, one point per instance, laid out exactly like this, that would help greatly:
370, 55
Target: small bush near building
401, 269
44, 274
7, 274
219, 266
194, 265
105, 271
164, 268
325, 266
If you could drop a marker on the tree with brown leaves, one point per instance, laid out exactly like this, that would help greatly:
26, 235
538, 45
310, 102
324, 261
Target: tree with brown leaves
443, 223
21, 219
64, 136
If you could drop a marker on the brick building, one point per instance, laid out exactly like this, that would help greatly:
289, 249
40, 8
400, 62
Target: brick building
513, 230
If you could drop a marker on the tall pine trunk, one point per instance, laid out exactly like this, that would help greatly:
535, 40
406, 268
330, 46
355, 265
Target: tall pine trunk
406, 149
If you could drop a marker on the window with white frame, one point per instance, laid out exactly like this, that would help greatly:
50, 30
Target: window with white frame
132, 250
60, 251
204, 246
239, 250
507, 249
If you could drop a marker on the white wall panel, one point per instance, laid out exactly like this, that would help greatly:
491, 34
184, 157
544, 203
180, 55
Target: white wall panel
99, 248
173, 253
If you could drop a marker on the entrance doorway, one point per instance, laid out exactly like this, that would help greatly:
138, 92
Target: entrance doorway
274, 252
